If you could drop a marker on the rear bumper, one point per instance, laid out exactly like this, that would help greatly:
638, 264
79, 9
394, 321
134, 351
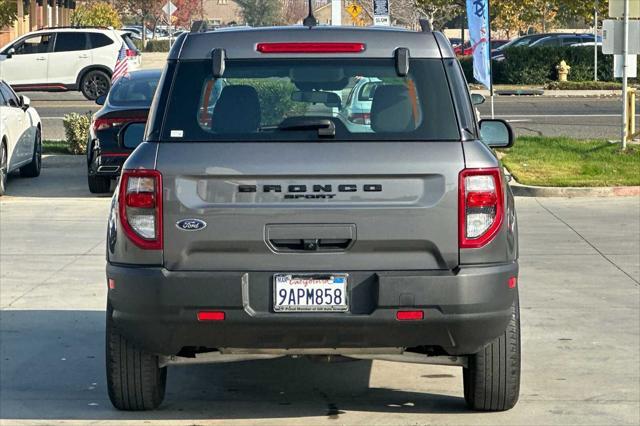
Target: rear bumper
463, 310
108, 165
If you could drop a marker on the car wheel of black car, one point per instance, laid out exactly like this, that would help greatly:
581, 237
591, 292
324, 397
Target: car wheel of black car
3, 168
35, 166
135, 380
99, 184
95, 84
492, 379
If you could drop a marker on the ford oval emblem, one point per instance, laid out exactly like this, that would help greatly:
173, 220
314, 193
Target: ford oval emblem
191, 224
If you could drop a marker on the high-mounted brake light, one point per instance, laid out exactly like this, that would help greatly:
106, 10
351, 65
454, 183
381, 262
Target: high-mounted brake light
481, 206
307, 47
140, 207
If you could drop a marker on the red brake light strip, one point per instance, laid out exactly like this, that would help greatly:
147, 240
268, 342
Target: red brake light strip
309, 47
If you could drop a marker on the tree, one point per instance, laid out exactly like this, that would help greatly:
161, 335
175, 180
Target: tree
8, 13
439, 12
186, 11
96, 14
144, 10
294, 11
260, 13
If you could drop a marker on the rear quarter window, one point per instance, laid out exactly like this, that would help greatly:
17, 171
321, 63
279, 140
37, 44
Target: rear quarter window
97, 40
69, 42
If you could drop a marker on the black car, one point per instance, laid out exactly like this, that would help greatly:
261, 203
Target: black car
543, 39
128, 101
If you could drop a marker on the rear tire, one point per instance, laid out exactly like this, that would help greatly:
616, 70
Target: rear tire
135, 381
99, 184
492, 379
35, 166
94, 84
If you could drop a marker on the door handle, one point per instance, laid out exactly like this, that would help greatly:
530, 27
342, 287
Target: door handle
41, 58
83, 56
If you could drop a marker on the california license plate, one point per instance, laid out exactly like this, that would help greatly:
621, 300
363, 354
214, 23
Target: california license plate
310, 293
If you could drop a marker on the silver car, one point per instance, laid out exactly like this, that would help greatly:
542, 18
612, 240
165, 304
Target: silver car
255, 221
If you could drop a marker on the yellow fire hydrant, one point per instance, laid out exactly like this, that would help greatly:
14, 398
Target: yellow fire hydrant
563, 71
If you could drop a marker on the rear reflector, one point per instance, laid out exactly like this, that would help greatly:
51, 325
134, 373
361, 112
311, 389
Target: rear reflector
409, 315
513, 281
112, 284
310, 47
210, 316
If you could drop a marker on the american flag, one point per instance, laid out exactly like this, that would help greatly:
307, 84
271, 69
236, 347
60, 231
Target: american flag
122, 65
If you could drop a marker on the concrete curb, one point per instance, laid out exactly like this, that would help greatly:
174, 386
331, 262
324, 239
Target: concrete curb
570, 192
553, 93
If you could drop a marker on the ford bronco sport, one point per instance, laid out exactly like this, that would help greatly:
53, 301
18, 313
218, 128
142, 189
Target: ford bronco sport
258, 220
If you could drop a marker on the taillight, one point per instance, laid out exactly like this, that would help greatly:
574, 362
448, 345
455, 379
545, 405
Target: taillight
131, 53
310, 47
481, 206
107, 123
360, 118
140, 207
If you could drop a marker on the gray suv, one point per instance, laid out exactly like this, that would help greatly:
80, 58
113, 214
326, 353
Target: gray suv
255, 221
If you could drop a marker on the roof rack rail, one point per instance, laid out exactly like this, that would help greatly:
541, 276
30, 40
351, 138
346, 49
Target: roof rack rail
199, 27
77, 27
425, 25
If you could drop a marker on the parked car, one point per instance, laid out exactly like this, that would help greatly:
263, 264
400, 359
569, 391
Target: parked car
137, 30
357, 107
564, 40
128, 101
20, 136
55, 59
275, 228
544, 39
467, 49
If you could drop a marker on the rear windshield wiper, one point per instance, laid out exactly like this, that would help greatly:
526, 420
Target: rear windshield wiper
325, 127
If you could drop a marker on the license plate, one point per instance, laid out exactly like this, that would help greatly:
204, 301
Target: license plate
310, 293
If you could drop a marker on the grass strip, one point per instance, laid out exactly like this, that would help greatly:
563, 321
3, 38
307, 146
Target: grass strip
561, 161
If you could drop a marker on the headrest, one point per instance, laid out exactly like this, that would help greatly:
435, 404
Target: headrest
391, 109
236, 111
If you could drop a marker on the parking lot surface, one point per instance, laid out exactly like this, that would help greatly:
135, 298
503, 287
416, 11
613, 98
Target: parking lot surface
580, 299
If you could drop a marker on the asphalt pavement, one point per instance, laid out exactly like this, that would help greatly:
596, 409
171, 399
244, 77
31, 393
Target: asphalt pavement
580, 300
581, 117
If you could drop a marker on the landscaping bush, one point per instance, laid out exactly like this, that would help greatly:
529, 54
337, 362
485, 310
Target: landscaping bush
76, 129
526, 65
157, 46
277, 95
584, 85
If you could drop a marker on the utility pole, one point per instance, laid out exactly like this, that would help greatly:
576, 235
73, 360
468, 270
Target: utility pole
625, 73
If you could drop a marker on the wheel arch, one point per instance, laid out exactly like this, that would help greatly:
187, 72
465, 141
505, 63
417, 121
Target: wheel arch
90, 68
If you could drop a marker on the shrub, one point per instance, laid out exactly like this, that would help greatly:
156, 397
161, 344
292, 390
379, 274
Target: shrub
76, 129
157, 46
584, 85
277, 96
100, 14
526, 65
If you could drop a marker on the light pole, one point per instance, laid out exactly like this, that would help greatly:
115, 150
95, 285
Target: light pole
625, 73
595, 41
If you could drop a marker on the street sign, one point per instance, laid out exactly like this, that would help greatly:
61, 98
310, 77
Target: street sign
169, 8
381, 13
616, 8
613, 40
618, 71
354, 10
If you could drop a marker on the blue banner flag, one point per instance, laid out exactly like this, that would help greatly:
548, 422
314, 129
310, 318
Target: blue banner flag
478, 15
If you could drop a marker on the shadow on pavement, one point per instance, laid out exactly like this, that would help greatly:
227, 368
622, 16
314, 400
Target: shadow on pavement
61, 176
52, 367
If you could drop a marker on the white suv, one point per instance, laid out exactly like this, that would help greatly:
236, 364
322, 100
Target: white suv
54, 59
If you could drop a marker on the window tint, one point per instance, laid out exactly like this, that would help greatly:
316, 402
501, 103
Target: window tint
367, 91
568, 41
549, 41
133, 90
10, 98
271, 100
68, 42
34, 44
97, 40
2, 101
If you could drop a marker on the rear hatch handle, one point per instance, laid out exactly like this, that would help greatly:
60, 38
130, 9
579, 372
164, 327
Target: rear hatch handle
310, 238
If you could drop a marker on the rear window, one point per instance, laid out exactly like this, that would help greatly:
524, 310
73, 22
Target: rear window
132, 90
289, 99
69, 42
127, 40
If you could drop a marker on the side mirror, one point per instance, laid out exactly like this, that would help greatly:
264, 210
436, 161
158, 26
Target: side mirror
496, 133
25, 102
477, 99
101, 99
131, 135
10, 52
